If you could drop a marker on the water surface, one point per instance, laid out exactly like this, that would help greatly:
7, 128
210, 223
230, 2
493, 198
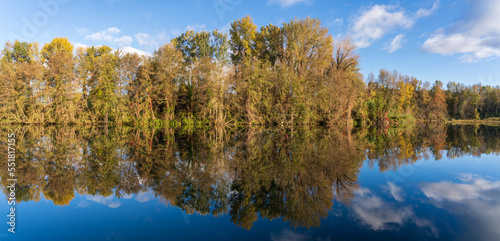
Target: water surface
103, 183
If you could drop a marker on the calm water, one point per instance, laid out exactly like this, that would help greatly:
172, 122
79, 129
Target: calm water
429, 183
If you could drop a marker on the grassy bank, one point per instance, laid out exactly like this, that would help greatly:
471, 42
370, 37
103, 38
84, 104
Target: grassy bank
489, 121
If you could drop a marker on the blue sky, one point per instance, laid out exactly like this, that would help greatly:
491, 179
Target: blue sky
447, 40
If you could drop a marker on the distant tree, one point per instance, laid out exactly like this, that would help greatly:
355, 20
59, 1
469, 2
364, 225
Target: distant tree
437, 105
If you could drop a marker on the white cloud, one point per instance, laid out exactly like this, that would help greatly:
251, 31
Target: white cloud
374, 23
473, 188
106, 35
82, 31
108, 201
145, 39
376, 213
127, 196
110, 35
196, 27
473, 48
288, 3
395, 191
396, 43
79, 45
426, 12
379, 214
336, 22
144, 197
475, 201
476, 37
83, 204
129, 49
123, 41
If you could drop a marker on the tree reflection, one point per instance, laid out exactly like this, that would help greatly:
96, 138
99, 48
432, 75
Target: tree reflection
293, 174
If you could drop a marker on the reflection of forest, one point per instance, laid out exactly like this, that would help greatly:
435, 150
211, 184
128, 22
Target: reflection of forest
291, 174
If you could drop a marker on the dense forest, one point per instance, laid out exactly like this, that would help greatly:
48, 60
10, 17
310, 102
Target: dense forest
296, 74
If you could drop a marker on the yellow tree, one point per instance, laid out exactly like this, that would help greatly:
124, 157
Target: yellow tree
60, 82
243, 32
405, 95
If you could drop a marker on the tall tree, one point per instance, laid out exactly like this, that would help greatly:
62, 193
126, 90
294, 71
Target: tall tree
60, 82
102, 83
166, 70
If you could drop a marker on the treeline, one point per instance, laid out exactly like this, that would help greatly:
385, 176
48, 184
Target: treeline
394, 97
472, 102
296, 74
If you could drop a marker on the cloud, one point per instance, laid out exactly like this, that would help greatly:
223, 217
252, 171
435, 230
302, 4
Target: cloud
473, 48
127, 196
336, 22
107, 35
289, 3
395, 191
132, 50
475, 37
110, 35
79, 45
426, 12
82, 31
144, 197
374, 23
83, 204
145, 39
289, 235
475, 201
378, 214
473, 188
124, 40
196, 27
108, 201
396, 43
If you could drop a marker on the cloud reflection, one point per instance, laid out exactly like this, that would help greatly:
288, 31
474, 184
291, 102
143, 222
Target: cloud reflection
380, 214
289, 235
396, 192
109, 201
476, 200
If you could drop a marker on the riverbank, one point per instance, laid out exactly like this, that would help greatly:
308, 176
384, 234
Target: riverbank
489, 121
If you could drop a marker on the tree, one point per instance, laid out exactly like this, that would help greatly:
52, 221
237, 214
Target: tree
102, 88
166, 72
345, 83
437, 105
243, 32
59, 82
